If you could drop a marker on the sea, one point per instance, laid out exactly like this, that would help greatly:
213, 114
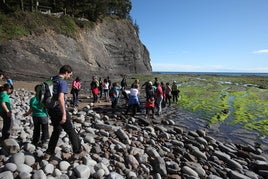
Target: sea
212, 73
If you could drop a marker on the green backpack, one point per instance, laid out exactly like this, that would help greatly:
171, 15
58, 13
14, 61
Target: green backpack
44, 94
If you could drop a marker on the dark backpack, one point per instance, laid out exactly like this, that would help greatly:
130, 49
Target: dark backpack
112, 92
44, 93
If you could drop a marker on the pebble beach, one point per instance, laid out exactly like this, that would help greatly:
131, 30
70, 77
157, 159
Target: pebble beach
120, 146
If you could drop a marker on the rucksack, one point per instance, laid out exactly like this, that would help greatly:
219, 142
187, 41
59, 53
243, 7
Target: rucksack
44, 94
112, 92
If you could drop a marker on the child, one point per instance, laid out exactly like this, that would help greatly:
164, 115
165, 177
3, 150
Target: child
76, 86
40, 119
5, 109
114, 95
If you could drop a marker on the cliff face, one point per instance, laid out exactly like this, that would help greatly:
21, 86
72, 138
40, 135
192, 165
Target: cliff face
111, 48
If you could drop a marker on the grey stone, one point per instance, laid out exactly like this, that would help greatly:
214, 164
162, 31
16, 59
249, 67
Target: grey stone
82, 171
39, 174
11, 146
10, 167
64, 165
6, 175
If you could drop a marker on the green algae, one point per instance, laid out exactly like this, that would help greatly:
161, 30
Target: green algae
251, 109
236, 99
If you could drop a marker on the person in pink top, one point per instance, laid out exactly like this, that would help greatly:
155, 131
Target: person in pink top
76, 86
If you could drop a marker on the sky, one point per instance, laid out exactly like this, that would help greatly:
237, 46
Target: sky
204, 35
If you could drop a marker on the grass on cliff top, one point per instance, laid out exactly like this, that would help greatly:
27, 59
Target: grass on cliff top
19, 24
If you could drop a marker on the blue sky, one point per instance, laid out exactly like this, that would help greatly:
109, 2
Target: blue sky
204, 35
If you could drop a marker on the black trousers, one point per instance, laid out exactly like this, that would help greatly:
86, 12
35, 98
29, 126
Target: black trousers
6, 125
175, 96
56, 116
40, 125
134, 108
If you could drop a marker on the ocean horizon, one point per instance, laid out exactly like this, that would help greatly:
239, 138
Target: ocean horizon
212, 73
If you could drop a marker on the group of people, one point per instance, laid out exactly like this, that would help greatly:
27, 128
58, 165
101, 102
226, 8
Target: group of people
99, 89
157, 94
58, 115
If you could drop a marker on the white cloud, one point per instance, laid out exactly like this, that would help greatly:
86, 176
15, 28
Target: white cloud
261, 51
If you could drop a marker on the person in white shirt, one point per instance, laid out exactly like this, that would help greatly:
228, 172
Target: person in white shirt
133, 101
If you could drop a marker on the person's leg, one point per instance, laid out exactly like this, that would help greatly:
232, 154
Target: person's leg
134, 109
147, 112
159, 105
152, 109
55, 119
100, 93
44, 125
36, 131
128, 108
73, 101
75, 97
114, 103
6, 125
95, 98
70, 130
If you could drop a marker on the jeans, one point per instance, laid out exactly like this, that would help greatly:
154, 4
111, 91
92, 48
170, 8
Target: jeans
56, 116
6, 125
158, 103
40, 123
75, 97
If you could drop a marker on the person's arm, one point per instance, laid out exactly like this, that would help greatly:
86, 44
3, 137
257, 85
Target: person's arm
62, 107
4, 106
28, 112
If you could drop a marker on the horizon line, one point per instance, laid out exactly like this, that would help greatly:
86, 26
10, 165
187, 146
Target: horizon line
207, 72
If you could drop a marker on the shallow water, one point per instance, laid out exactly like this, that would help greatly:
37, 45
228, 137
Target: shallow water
224, 132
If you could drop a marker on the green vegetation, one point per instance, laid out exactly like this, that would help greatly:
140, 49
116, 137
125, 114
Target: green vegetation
23, 24
22, 18
233, 99
251, 109
89, 9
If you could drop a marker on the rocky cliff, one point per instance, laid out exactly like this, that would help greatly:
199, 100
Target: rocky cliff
111, 48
